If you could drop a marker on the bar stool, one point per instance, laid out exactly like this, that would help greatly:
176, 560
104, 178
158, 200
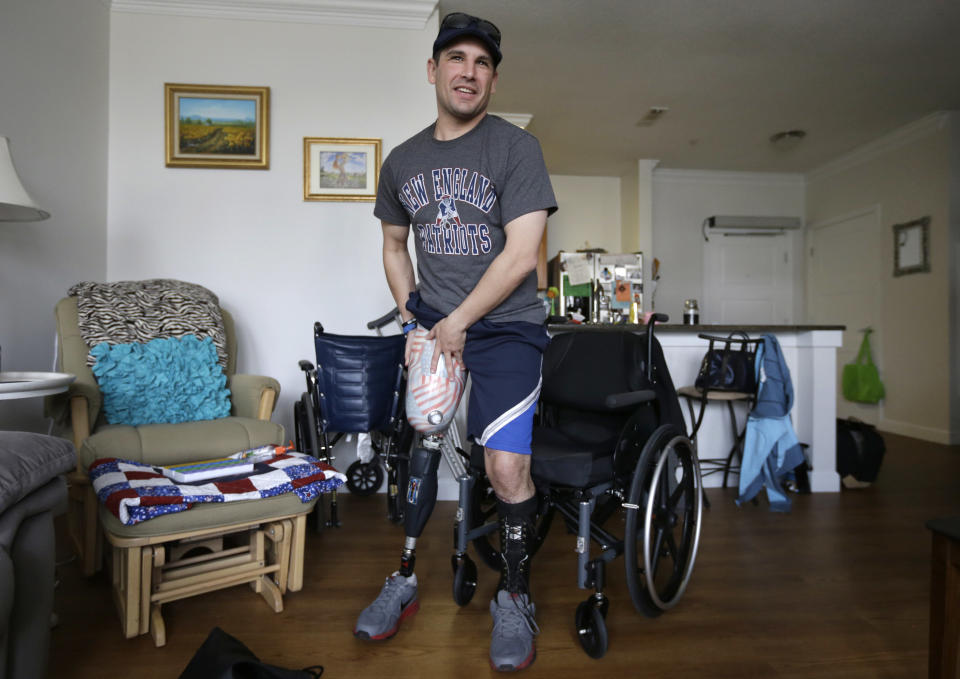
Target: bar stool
702, 392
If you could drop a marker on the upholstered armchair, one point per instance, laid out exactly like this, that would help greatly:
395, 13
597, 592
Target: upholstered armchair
142, 553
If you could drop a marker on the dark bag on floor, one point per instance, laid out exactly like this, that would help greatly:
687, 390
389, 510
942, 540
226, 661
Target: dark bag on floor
728, 368
224, 657
860, 450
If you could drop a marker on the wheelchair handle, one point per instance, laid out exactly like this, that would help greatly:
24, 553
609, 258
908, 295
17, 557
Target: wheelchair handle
378, 323
629, 398
651, 322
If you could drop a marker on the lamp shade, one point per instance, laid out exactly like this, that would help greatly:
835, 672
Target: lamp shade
16, 205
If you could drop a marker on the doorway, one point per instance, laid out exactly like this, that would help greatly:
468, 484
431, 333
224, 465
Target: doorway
748, 279
843, 284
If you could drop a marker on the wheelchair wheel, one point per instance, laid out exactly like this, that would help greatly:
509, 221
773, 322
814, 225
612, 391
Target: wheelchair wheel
483, 509
592, 628
662, 530
464, 579
364, 478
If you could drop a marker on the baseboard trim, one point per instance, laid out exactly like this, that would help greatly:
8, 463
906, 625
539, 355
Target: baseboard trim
932, 434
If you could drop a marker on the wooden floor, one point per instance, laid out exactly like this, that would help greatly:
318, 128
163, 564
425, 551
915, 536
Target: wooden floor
837, 588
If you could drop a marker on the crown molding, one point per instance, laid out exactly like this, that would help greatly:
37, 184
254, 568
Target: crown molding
907, 134
728, 177
521, 120
410, 14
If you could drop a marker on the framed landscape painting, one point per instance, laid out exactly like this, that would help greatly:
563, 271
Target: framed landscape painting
340, 169
220, 126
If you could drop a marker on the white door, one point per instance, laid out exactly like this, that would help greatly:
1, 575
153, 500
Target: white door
843, 284
748, 279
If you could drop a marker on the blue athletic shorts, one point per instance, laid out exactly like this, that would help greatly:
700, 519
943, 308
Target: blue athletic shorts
504, 361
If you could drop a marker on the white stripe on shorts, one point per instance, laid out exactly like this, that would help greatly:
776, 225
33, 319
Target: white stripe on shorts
510, 415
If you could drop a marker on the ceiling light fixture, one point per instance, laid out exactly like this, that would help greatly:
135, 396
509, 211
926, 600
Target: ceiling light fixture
788, 138
652, 116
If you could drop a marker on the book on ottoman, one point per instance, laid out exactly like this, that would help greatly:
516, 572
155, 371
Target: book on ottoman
190, 472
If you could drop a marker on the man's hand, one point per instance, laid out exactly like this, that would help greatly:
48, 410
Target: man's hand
450, 336
408, 349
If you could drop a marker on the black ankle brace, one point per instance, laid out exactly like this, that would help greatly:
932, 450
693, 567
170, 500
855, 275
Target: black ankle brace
517, 523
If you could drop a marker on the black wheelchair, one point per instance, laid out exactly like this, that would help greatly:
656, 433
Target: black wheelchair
609, 440
358, 387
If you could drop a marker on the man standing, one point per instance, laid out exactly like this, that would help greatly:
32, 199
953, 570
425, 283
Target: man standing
476, 191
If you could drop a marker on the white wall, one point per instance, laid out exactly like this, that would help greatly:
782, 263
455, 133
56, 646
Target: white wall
53, 75
276, 262
589, 214
903, 176
682, 199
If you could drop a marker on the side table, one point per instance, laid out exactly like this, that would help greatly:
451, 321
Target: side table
944, 598
30, 384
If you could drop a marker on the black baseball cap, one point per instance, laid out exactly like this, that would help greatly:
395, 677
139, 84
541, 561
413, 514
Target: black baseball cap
458, 24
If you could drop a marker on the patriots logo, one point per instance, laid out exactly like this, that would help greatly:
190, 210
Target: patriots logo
447, 212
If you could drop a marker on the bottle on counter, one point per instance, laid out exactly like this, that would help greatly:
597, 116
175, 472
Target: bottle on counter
691, 312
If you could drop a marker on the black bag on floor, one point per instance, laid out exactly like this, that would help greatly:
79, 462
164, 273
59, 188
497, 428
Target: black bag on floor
860, 450
224, 657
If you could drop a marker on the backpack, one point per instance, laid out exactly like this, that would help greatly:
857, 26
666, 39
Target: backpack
860, 450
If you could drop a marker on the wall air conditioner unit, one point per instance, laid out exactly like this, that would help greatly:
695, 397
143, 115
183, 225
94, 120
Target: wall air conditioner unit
749, 226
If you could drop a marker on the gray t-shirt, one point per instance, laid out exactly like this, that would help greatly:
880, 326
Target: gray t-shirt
458, 195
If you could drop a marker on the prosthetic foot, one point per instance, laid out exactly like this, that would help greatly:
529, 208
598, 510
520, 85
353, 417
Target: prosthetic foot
396, 602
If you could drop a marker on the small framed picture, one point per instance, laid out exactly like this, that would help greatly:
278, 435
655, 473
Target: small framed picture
911, 248
340, 169
217, 126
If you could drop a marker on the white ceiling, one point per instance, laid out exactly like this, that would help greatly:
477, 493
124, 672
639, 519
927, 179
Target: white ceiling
732, 72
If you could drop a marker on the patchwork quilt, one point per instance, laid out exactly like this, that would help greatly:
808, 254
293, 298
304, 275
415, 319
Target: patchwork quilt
135, 492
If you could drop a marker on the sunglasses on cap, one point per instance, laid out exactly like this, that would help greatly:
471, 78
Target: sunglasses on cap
457, 20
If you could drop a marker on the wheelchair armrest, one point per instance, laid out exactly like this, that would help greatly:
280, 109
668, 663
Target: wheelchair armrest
306, 366
629, 398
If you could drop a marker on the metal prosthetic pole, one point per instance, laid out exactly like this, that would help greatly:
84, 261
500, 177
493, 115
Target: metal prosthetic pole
421, 497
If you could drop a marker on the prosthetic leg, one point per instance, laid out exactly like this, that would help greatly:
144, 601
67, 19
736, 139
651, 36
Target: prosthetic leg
432, 400
421, 497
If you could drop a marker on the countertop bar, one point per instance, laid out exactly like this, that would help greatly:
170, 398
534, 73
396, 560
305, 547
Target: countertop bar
704, 328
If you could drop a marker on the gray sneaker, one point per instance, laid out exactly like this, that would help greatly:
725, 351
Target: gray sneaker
396, 601
514, 627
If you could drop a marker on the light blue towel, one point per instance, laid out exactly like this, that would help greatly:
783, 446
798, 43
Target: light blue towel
161, 381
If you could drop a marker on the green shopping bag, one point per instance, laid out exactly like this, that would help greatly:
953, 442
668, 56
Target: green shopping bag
861, 381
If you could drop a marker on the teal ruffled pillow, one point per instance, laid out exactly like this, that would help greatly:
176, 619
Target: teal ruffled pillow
163, 380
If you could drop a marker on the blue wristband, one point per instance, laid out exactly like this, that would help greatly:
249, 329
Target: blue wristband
409, 326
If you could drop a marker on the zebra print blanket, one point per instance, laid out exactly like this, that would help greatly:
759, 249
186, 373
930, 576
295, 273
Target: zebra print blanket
139, 311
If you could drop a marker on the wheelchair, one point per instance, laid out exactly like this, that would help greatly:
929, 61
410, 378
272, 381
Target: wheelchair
357, 387
608, 440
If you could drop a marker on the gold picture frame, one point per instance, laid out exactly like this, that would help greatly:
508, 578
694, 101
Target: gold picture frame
217, 126
340, 169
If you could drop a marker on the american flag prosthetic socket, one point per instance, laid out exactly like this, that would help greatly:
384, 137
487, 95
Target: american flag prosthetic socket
432, 398
135, 492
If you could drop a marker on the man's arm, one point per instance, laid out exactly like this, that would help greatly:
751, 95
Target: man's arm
398, 266
505, 273
399, 269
